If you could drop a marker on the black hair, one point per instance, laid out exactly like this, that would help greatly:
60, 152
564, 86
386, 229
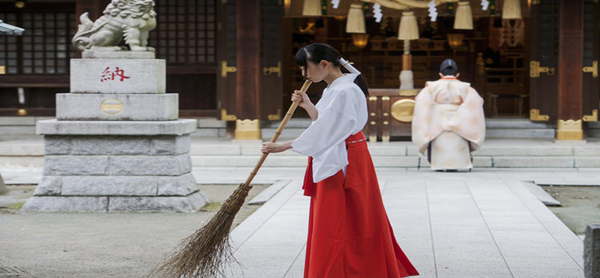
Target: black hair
449, 67
318, 52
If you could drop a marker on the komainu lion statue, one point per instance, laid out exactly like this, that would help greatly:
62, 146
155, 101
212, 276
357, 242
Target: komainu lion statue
132, 19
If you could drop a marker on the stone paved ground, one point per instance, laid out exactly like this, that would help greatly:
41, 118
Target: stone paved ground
479, 224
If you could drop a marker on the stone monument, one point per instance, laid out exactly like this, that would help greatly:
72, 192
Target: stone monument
591, 251
3, 189
117, 143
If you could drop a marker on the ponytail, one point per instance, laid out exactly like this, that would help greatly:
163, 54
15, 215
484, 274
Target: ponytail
362, 84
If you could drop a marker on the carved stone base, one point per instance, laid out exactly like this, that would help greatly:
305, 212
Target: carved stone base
247, 129
117, 107
569, 130
103, 166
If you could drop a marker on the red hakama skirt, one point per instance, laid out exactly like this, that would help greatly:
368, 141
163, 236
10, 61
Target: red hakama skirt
349, 234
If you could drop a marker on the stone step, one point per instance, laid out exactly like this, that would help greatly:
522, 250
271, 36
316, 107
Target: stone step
407, 149
22, 152
288, 132
211, 123
489, 122
406, 161
594, 132
294, 122
514, 124
210, 132
546, 133
22, 161
496, 128
301, 161
35, 148
296, 160
594, 125
534, 133
379, 161
21, 121
213, 128
17, 130
22, 148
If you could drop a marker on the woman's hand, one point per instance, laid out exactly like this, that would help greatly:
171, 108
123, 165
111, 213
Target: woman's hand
302, 99
272, 147
276, 147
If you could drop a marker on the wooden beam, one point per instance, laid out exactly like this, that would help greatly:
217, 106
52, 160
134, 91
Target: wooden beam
570, 60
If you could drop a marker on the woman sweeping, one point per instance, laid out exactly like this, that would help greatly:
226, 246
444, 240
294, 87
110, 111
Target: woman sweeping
349, 232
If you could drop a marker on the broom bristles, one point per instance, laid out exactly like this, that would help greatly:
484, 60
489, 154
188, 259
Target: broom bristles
208, 250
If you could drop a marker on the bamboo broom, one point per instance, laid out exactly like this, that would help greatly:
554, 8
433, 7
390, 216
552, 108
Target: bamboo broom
204, 253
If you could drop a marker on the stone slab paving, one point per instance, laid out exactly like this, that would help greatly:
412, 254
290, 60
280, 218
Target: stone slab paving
480, 224
484, 223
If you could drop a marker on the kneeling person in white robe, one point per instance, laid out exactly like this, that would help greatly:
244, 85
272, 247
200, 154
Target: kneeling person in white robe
448, 121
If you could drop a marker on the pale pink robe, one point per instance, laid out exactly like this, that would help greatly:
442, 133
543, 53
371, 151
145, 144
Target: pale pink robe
449, 115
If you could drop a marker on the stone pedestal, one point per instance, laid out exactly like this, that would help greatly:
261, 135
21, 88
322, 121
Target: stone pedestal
112, 151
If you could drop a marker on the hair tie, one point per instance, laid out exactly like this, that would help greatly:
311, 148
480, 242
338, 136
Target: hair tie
348, 66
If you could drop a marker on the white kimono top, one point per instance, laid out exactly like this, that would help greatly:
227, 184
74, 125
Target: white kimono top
342, 112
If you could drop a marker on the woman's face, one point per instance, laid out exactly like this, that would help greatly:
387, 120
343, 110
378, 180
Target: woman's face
315, 72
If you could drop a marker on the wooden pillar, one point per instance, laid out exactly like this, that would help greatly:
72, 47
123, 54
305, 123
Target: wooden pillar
570, 74
248, 69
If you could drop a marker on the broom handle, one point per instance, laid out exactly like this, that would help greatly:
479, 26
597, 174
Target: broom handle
287, 117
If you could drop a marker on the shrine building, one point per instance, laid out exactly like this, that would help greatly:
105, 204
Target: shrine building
531, 60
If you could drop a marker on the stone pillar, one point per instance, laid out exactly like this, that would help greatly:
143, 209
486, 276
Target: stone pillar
591, 251
117, 143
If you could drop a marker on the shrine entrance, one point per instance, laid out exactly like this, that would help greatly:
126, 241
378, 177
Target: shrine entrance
493, 56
